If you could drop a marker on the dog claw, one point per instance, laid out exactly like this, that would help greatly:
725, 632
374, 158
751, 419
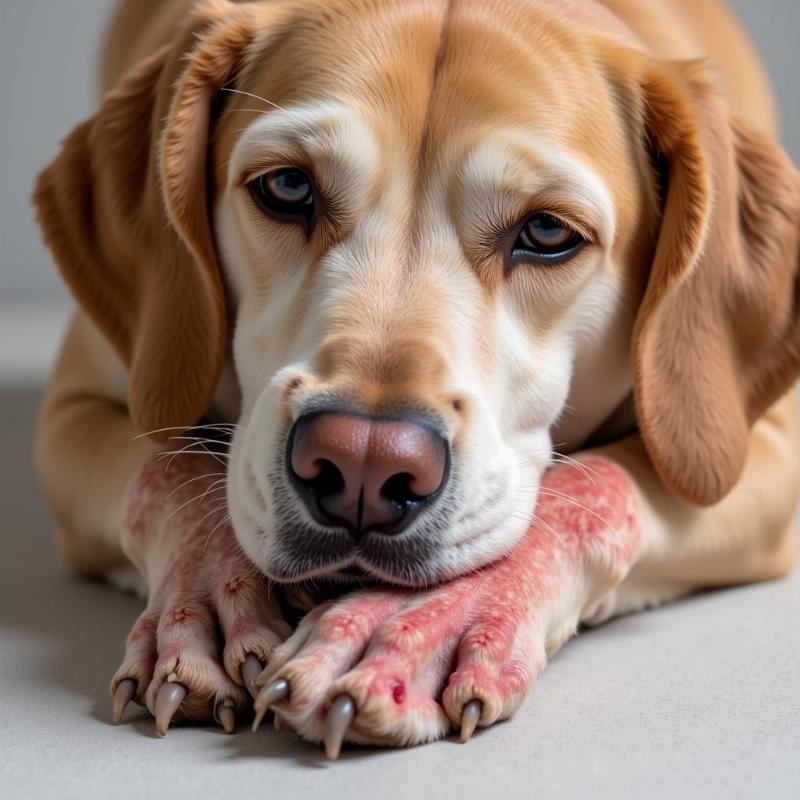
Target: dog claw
168, 699
123, 694
277, 723
251, 669
469, 719
272, 693
337, 722
225, 715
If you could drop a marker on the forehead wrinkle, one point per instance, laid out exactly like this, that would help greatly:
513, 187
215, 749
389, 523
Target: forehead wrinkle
508, 66
425, 132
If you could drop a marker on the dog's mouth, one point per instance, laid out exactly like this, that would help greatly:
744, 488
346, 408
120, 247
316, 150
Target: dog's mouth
305, 551
353, 572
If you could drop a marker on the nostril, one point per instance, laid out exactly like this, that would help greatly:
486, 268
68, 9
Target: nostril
397, 490
328, 481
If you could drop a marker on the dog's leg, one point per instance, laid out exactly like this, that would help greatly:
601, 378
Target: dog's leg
208, 608
86, 450
748, 536
118, 502
413, 664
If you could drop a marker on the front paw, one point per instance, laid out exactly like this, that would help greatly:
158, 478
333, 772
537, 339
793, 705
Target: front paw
186, 654
395, 668
211, 622
398, 668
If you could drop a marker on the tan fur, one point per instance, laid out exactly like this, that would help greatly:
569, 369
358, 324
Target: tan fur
710, 275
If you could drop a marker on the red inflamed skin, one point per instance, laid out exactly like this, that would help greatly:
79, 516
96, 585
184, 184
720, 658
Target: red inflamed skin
177, 534
387, 666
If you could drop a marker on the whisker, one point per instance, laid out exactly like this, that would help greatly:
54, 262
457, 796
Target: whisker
568, 499
186, 450
226, 519
218, 445
529, 519
200, 497
550, 449
551, 456
587, 472
220, 442
251, 110
219, 425
255, 96
191, 480
214, 510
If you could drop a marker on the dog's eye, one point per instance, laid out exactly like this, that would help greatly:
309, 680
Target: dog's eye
286, 194
545, 239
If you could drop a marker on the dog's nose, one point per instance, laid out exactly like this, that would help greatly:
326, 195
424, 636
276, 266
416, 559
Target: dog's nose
366, 473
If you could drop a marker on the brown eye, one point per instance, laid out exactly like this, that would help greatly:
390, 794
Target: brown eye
286, 195
545, 239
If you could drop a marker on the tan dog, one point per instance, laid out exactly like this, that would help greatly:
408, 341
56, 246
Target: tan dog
400, 251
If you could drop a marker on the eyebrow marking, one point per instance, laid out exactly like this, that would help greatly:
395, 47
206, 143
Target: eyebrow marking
308, 129
514, 167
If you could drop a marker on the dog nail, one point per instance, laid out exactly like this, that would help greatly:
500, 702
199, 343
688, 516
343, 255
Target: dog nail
123, 694
224, 714
278, 723
251, 669
272, 693
469, 719
337, 722
169, 697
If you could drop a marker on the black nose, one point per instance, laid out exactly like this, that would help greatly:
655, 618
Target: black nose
366, 473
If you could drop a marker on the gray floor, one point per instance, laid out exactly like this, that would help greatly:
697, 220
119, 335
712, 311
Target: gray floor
701, 699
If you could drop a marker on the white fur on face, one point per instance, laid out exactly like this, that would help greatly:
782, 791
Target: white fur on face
508, 356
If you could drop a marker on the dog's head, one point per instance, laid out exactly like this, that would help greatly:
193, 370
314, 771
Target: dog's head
428, 235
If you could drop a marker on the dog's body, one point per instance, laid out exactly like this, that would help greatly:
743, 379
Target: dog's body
705, 495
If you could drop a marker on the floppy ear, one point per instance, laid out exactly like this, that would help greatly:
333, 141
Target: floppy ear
124, 207
717, 338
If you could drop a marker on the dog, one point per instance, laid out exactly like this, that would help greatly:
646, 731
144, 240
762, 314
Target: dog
459, 324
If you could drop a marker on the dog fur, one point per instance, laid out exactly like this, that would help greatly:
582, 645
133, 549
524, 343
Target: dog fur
661, 356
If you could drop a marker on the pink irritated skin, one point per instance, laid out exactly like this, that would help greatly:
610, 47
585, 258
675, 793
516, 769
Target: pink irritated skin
175, 531
412, 661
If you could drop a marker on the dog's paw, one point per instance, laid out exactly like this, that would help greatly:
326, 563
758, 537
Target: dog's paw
211, 621
397, 668
394, 667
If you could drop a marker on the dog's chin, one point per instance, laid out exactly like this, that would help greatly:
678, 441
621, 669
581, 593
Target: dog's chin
301, 552
305, 552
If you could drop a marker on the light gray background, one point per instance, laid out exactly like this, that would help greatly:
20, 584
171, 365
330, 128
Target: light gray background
698, 700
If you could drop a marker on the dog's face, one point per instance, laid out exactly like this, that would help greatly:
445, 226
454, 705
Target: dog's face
426, 236
441, 233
